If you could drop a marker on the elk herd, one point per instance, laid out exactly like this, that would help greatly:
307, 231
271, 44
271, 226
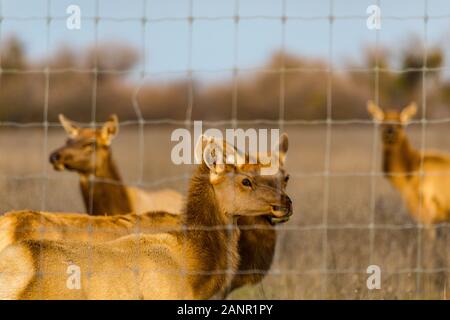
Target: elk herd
220, 236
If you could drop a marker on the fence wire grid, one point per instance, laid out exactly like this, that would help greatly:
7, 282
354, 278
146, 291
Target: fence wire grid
325, 272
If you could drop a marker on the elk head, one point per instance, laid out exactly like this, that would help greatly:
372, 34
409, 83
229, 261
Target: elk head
86, 149
393, 122
239, 186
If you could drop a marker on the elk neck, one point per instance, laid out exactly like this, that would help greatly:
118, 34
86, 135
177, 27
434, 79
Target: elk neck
109, 195
216, 247
400, 162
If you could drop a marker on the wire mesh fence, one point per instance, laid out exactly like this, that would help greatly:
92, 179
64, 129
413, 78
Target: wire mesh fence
323, 253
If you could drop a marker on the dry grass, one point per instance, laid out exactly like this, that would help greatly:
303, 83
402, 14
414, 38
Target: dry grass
299, 261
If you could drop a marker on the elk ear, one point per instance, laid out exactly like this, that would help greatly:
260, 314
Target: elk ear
408, 112
283, 147
71, 129
213, 156
375, 111
110, 129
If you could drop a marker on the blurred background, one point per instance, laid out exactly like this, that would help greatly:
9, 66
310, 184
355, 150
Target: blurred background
288, 64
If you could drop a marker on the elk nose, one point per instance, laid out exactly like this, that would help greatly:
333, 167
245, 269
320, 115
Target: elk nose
289, 201
281, 214
55, 157
284, 209
289, 205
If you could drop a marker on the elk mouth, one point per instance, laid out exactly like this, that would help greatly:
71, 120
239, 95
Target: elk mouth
281, 213
389, 139
58, 166
274, 220
61, 166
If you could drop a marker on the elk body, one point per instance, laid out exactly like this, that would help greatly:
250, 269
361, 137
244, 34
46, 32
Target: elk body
88, 152
195, 263
427, 196
256, 245
34, 225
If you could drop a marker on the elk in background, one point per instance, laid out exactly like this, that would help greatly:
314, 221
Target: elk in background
189, 264
88, 152
427, 196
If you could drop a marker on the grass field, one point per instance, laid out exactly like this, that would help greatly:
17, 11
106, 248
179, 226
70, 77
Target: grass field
310, 261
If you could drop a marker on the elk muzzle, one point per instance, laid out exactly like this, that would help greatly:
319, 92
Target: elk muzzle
55, 160
390, 135
282, 211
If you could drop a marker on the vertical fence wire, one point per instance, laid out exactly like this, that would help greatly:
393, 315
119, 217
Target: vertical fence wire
375, 137
423, 137
327, 161
282, 92
45, 179
234, 107
93, 124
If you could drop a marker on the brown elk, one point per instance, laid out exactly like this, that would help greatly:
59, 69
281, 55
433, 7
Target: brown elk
258, 236
111, 197
426, 195
195, 263
256, 244
88, 152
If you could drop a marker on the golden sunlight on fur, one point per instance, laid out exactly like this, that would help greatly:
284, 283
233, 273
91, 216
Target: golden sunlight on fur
88, 152
112, 197
170, 265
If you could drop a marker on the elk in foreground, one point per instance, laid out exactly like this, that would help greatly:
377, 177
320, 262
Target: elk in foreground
195, 263
258, 236
256, 243
427, 195
88, 152
111, 197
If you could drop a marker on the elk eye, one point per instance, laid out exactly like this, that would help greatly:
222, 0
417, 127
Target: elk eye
246, 182
286, 179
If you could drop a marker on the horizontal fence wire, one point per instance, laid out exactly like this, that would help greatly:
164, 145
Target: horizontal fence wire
256, 122
287, 70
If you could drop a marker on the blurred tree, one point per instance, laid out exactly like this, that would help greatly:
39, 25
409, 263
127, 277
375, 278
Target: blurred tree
413, 61
301, 89
12, 59
13, 54
111, 56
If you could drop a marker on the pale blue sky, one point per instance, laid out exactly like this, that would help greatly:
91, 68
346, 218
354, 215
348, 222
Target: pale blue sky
213, 40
